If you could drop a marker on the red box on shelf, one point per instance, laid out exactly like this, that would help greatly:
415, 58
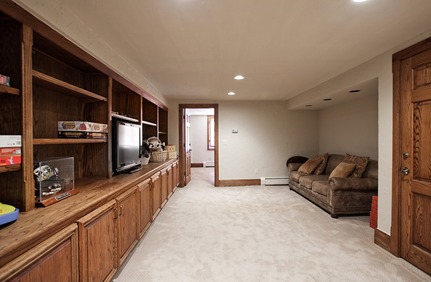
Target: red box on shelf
10, 160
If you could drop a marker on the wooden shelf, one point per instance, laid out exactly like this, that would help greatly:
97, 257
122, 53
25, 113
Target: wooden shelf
125, 118
65, 141
162, 132
56, 84
149, 123
10, 168
8, 90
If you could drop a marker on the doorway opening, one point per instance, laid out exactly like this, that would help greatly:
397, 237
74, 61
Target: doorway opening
198, 140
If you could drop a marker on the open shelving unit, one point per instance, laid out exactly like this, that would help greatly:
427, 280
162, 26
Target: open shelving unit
53, 80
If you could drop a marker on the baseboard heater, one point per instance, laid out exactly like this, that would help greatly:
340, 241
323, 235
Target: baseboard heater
209, 164
274, 181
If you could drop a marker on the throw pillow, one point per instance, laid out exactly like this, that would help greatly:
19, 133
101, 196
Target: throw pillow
309, 166
321, 167
360, 162
343, 169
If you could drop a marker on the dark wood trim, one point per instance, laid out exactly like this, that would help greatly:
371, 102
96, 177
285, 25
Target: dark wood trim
181, 150
382, 239
239, 182
396, 161
197, 164
27, 119
413, 50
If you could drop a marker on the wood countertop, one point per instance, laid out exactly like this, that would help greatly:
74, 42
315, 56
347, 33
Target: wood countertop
34, 226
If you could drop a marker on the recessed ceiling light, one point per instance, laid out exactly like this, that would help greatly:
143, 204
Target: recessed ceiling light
355, 91
231, 93
359, 1
239, 77
327, 99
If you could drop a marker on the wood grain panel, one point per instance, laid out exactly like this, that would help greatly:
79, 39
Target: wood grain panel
145, 208
156, 191
421, 76
164, 189
55, 259
421, 222
128, 226
422, 146
97, 244
125, 101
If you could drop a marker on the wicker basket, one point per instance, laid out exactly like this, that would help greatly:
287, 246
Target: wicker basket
158, 156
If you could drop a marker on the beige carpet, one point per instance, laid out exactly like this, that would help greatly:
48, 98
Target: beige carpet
257, 234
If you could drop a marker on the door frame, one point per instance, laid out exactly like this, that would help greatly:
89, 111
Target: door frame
182, 150
395, 237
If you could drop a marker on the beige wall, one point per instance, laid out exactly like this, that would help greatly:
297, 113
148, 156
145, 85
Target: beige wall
351, 127
267, 135
380, 68
198, 139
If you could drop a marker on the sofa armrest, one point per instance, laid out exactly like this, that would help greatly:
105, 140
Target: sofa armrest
353, 183
293, 166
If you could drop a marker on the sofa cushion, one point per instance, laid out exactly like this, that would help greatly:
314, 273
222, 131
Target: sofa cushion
321, 167
307, 180
360, 162
310, 165
343, 170
295, 175
333, 161
320, 187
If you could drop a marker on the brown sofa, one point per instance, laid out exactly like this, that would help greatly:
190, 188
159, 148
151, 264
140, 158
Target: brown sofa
338, 195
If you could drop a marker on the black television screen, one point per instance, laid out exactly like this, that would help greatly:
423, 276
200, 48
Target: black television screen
126, 145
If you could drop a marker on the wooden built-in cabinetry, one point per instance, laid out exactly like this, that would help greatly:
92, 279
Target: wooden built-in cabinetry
85, 237
54, 259
54, 80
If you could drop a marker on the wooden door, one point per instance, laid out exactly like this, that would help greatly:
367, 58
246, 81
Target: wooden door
415, 160
97, 244
128, 228
188, 172
145, 202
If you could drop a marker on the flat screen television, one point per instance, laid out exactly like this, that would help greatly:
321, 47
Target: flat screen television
126, 145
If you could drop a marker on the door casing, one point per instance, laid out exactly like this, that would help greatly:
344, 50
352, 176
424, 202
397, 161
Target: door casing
182, 150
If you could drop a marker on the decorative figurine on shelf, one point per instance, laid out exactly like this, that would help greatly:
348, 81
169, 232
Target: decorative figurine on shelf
45, 172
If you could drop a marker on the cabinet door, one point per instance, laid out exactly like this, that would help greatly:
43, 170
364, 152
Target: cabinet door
156, 194
55, 259
176, 169
97, 244
128, 229
145, 209
164, 180
170, 181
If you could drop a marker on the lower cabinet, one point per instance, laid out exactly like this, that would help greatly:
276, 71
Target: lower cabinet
55, 259
156, 188
145, 205
97, 244
93, 248
128, 227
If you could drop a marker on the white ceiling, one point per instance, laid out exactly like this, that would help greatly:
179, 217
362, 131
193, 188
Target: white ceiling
191, 49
